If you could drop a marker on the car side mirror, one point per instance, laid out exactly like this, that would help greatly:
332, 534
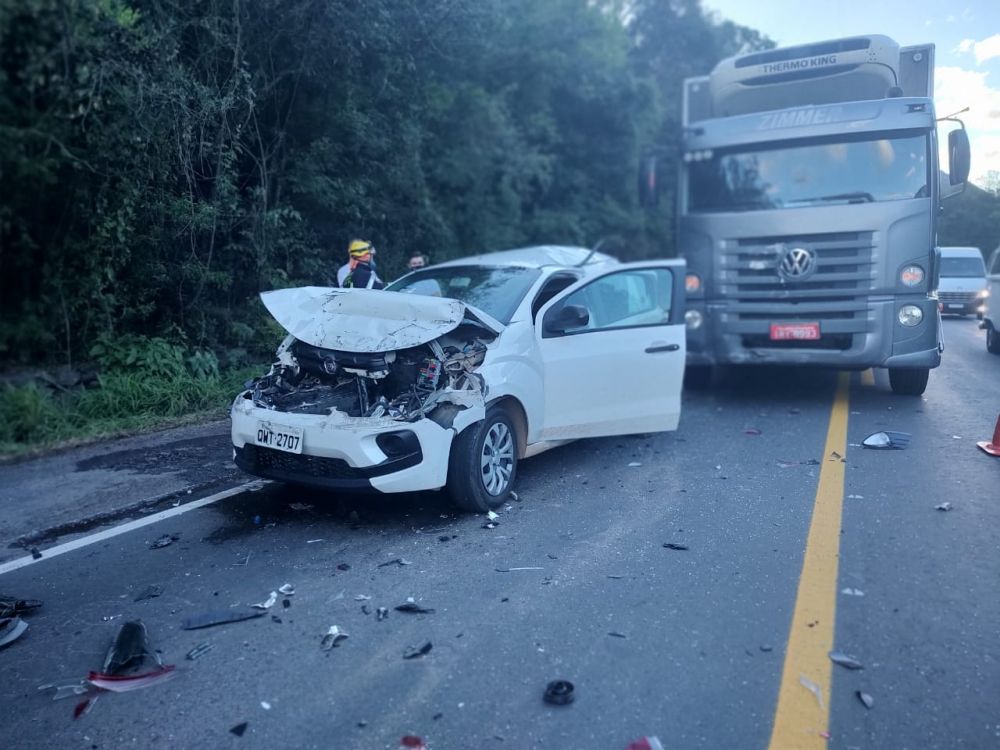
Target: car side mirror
959, 156
565, 318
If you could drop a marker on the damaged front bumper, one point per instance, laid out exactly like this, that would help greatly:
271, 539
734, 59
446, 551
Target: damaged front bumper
354, 454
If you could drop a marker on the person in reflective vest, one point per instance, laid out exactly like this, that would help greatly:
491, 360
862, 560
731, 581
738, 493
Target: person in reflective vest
362, 267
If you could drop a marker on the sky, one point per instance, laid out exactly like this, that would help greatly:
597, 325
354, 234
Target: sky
967, 54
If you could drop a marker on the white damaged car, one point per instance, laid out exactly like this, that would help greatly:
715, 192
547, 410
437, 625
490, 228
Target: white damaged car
457, 371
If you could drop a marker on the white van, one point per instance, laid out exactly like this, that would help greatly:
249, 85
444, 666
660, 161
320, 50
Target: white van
991, 315
962, 281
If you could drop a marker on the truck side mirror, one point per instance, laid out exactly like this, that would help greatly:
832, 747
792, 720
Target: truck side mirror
959, 156
649, 191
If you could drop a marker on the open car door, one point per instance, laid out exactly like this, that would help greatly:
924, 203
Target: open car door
613, 350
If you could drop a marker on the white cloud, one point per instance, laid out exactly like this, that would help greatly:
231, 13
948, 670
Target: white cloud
957, 88
984, 49
965, 45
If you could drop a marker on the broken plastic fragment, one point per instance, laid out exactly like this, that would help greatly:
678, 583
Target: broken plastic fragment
164, 541
943, 506
866, 700
125, 683
129, 649
222, 617
416, 653
271, 599
634, 464
10, 606
332, 638
852, 592
678, 547
616, 634
411, 742
559, 693
646, 743
67, 691
381, 614
509, 570
395, 561
239, 729
411, 607
11, 628
362, 598
286, 590
150, 592
300, 506
813, 688
751, 431
265, 705
492, 516
199, 651
849, 662
887, 440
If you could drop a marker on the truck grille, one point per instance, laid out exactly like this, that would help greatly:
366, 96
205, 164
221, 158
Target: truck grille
834, 292
957, 297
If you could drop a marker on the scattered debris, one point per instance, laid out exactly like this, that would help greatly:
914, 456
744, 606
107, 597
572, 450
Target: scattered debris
492, 520
11, 606
943, 507
300, 506
514, 497
511, 570
855, 497
866, 700
239, 729
286, 590
343, 567
271, 599
634, 464
35, 554
222, 617
813, 688
616, 634
411, 607
887, 440
766, 648
265, 705
559, 693
314, 541
11, 628
849, 662
852, 592
332, 638
412, 742
646, 743
126, 683
678, 547
362, 598
753, 431
416, 653
150, 592
492, 516
381, 614
395, 561
824, 735
615, 578
199, 651
164, 541
834, 456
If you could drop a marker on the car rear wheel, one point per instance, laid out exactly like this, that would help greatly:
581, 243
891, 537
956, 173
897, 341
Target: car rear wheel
992, 340
908, 382
483, 464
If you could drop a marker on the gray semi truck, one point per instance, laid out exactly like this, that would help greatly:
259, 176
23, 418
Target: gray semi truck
809, 195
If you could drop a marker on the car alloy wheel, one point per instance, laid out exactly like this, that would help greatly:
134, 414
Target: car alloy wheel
497, 459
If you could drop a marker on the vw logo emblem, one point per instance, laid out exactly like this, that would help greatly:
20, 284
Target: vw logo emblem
798, 264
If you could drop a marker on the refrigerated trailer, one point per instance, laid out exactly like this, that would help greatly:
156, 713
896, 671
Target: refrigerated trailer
810, 187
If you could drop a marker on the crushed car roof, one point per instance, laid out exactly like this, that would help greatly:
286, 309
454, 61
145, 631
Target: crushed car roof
536, 257
367, 320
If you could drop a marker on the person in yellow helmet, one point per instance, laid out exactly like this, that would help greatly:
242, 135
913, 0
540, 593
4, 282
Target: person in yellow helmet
361, 267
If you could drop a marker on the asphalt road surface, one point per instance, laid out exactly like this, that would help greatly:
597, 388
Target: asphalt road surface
797, 542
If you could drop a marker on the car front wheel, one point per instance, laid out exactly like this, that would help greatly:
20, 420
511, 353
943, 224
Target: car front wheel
483, 463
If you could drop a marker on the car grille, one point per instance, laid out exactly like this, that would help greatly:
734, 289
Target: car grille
957, 297
316, 467
835, 294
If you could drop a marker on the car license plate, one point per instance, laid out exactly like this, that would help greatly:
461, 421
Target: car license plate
279, 437
794, 331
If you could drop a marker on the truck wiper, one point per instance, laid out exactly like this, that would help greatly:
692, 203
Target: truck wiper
856, 197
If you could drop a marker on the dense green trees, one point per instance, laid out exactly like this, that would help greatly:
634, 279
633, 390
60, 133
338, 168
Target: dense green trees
972, 219
162, 161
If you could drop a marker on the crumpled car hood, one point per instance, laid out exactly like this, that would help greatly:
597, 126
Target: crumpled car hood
368, 320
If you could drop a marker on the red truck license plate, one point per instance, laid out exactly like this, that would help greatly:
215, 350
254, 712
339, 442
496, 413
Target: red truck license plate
794, 331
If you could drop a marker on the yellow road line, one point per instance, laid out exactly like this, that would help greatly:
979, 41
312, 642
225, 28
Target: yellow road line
868, 377
801, 718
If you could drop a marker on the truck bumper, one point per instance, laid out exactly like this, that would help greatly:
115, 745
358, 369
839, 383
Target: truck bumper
722, 340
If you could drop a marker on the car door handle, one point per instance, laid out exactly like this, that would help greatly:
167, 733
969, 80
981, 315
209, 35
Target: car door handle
656, 348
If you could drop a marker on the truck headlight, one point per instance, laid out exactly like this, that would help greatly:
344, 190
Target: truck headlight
692, 283
911, 275
983, 293
693, 319
910, 315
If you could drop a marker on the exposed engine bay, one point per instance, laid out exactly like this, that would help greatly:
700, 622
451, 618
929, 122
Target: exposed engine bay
405, 385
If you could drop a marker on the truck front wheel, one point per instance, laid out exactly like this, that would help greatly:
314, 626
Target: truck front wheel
908, 382
992, 340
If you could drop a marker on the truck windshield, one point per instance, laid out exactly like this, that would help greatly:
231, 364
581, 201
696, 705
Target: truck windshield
874, 167
963, 267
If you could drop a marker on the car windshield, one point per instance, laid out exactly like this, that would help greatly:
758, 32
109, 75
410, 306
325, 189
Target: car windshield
819, 172
497, 291
963, 267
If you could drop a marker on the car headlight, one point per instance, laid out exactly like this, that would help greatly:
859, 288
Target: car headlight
911, 275
910, 315
693, 319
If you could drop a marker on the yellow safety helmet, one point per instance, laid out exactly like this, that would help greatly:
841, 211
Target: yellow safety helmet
359, 248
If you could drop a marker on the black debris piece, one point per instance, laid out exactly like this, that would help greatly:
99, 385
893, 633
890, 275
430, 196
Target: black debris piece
416, 653
411, 607
848, 662
616, 634
381, 614
343, 566
150, 592
11, 606
275, 618
35, 554
435, 717
678, 547
767, 649
239, 729
164, 541
444, 538
199, 651
396, 561
365, 610
866, 700
11, 628
559, 693
221, 617
286, 603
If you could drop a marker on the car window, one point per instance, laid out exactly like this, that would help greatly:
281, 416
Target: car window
626, 299
497, 291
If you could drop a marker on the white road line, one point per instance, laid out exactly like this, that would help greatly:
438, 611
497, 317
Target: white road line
138, 523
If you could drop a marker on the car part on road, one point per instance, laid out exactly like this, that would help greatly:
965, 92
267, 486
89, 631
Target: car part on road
152, 591
678, 547
129, 649
332, 638
482, 467
813, 688
992, 447
866, 700
115, 683
887, 440
199, 651
221, 617
268, 603
645, 743
382, 613
842, 659
418, 652
286, 589
10, 606
943, 507
559, 693
164, 541
11, 628
411, 607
